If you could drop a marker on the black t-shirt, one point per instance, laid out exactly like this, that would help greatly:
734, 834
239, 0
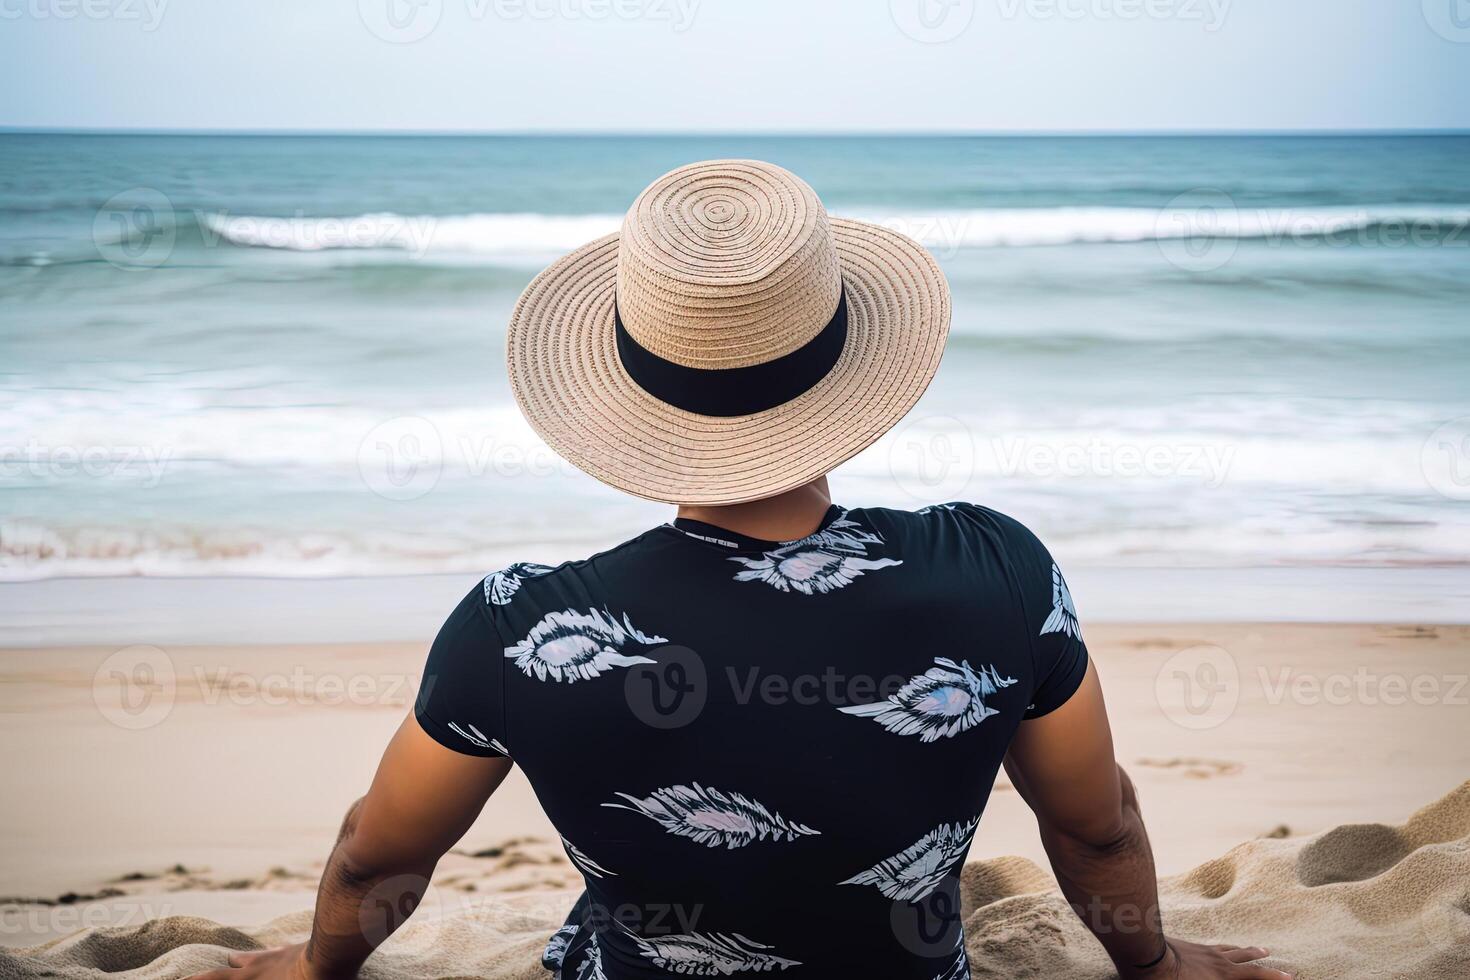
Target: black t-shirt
764, 756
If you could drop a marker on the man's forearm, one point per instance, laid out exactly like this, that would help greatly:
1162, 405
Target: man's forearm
357, 907
1111, 884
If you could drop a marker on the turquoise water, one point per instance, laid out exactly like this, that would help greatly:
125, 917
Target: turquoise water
283, 355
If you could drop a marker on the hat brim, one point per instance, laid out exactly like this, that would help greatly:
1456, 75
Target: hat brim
567, 379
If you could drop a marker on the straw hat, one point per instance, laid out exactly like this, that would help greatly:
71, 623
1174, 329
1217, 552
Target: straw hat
731, 343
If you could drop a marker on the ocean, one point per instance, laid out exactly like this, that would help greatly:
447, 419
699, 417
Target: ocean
282, 357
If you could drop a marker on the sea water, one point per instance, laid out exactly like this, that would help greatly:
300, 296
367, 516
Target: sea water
284, 356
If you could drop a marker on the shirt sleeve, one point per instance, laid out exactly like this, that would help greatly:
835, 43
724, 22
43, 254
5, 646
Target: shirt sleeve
461, 702
1049, 618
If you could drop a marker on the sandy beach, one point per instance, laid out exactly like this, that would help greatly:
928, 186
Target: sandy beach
317, 314
208, 781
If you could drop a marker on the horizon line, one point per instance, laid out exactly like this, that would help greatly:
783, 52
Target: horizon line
726, 134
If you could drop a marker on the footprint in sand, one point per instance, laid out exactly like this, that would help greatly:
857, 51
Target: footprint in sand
1193, 768
1354, 852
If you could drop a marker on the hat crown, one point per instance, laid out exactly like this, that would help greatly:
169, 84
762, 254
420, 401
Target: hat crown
726, 264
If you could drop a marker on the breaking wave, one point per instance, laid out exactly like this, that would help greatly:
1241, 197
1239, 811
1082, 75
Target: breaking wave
534, 236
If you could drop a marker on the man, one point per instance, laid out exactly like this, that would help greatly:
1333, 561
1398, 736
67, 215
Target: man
767, 730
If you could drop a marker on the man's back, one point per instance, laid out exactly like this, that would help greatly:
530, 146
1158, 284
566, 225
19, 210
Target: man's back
749, 745
764, 756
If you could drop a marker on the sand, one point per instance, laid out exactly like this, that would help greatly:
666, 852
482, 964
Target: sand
148, 850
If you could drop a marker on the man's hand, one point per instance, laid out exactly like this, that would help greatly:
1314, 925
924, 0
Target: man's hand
1191, 961
281, 963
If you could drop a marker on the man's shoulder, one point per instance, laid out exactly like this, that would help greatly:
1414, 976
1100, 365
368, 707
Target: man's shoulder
960, 514
501, 587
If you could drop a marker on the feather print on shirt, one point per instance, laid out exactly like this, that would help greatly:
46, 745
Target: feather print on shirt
478, 738
820, 563
1063, 618
918, 869
502, 585
584, 863
555, 952
571, 646
942, 702
591, 968
713, 818
712, 954
961, 968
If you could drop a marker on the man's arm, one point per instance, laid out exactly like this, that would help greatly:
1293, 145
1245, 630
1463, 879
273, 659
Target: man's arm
1062, 765
422, 800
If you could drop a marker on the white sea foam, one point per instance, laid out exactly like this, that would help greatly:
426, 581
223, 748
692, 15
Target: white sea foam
1362, 444
534, 236
274, 489
506, 236
35, 550
1205, 219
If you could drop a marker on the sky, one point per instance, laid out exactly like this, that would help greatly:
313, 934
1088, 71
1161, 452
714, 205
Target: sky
735, 65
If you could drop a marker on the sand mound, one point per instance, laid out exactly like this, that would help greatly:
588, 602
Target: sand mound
1363, 900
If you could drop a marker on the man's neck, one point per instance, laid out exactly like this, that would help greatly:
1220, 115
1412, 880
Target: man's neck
784, 517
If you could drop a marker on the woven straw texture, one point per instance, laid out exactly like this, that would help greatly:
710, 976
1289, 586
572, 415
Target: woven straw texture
725, 264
